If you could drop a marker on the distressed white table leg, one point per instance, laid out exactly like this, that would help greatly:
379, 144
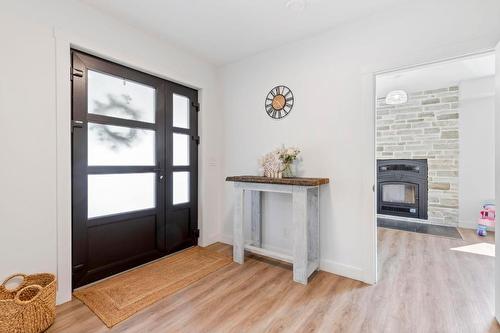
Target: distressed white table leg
238, 237
256, 218
300, 256
313, 228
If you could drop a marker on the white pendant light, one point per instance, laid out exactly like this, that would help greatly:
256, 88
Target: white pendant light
396, 97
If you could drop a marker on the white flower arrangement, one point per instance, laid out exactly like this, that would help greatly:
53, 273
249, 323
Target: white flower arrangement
279, 161
271, 165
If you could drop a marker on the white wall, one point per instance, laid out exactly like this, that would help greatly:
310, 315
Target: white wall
28, 147
329, 75
497, 180
477, 146
28, 62
331, 121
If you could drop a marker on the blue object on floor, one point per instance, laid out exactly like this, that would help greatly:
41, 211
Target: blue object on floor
482, 230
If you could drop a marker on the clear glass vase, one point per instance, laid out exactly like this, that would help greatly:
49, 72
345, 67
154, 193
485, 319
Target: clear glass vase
288, 170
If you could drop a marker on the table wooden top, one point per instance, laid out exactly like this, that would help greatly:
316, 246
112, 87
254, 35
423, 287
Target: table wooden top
297, 181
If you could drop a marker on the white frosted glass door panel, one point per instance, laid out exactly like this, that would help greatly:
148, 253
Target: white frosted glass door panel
180, 111
120, 98
117, 145
180, 187
181, 149
119, 193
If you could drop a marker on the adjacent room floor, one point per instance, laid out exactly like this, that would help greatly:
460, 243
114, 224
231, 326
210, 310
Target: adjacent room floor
423, 287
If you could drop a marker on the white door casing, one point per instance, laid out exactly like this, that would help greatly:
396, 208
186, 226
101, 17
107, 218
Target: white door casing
497, 178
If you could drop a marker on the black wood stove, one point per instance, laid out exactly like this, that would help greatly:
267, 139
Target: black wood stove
402, 188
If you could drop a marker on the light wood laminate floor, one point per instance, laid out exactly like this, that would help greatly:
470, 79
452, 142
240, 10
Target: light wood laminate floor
423, 287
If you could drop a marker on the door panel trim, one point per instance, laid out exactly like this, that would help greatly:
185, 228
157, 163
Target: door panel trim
118, 267
102, 220
106, 120
97, 170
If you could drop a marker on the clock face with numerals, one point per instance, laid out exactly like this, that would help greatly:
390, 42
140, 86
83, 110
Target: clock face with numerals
279, 102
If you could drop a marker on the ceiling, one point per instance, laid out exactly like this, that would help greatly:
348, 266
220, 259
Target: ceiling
224, 31
439, 75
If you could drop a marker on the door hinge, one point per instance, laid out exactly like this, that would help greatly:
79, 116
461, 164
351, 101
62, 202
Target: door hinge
196, 139
76, 124
196, 106
75, 72
196, 233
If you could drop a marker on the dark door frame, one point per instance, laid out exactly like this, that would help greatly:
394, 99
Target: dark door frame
171, 209
164, 211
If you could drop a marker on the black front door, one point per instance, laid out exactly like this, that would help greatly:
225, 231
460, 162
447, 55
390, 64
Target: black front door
134, 168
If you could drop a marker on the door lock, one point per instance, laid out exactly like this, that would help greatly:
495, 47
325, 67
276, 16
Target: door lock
76, 124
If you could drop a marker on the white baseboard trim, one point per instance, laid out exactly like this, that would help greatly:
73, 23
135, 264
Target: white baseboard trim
226, 239
209, 240
467, 224
337, 268
471, 225
325, 265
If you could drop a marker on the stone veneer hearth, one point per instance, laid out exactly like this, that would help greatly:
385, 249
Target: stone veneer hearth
426, 128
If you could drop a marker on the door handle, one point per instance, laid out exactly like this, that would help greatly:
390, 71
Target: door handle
161, 176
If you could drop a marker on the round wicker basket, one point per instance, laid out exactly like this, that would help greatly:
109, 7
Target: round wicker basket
31, 306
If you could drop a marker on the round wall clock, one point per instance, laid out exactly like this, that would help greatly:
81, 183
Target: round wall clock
279, 102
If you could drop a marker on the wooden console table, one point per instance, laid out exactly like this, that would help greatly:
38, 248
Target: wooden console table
305, 198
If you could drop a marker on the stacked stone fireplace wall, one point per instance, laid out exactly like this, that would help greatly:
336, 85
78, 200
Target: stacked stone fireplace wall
426, 128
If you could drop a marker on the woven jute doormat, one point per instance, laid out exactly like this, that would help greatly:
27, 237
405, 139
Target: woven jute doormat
115, 299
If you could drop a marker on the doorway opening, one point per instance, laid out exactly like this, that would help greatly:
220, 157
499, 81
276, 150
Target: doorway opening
134, 168
435, 142
435, 178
